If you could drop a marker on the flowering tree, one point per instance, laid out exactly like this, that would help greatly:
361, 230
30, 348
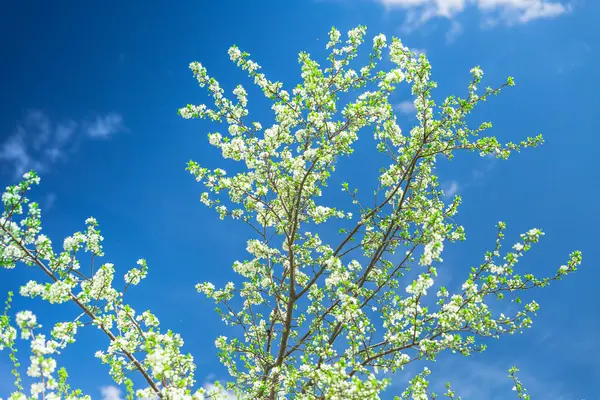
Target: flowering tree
317, 319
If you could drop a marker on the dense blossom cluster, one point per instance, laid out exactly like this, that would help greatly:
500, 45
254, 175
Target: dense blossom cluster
318, 320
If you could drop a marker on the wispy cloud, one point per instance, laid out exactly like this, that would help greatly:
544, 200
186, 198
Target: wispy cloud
110, 393
451, 188
38, 143
224, 394
49, 201
474, 379
454, 32
105, 126
213, 390
508, 11
405, 107
480, 172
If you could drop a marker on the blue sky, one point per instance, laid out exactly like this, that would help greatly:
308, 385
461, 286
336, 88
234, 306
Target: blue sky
90, 95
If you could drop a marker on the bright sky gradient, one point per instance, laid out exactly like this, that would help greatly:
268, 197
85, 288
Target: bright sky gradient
89, 99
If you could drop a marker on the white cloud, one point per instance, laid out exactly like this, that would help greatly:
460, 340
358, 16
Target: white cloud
405, 107
451, 188
509, 11
224, 394
477, 379
49, 201
14, 151
489, 164
211, 389
455, 30
111, 393
37, 143
105, 126
542, 10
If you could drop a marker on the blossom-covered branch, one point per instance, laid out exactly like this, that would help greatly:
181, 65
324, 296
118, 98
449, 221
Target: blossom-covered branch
316, 318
